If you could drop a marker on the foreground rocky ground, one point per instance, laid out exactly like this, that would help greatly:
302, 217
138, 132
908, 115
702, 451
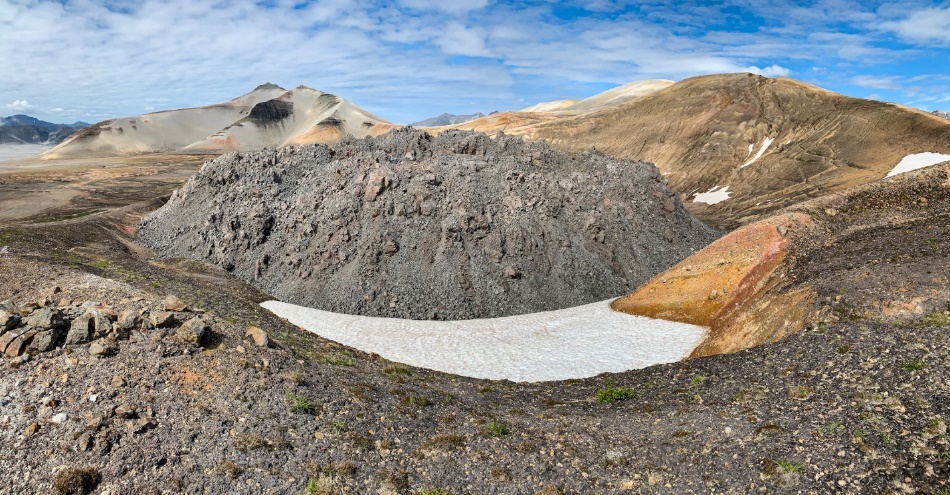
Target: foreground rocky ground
857, 402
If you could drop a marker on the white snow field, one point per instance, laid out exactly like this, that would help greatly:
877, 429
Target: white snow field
553, 345
713, 196
765, 146
917, 160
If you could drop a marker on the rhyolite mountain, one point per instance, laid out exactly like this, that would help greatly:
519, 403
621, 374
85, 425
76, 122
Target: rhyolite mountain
268, 116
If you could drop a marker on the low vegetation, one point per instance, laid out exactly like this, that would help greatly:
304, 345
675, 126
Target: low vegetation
611, 393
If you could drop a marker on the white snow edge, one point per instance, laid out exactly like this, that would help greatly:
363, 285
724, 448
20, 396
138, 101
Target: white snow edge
765, 146
917, 161
577, 342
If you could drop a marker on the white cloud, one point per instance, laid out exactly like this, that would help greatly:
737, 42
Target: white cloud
927, 25
398, 59
461, 40
876, 82
770, 71
19, 106
447, 6
57, 109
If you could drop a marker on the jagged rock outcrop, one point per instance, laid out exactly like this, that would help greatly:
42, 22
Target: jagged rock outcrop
410, 225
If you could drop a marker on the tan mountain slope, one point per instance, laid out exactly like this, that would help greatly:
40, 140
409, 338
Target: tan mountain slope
266, 117
751, 145
609, 98
519, 122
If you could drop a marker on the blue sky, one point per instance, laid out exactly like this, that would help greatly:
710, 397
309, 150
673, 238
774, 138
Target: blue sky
406, 60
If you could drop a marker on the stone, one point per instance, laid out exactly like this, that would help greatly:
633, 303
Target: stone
8, 321
15, 342
258, 336
59, 419
390, 247
101, 348
43, 341
128, 320
162, 319
10, 307
125, 412
31, 430
46, 319
119, 333
512, 272
173, 303
93, 324
194, 331
118, 381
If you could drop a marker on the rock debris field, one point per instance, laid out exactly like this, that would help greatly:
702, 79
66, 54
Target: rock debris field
408, 225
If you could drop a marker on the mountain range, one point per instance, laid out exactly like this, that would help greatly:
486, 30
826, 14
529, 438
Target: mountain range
447, 119
23, 129
735, 146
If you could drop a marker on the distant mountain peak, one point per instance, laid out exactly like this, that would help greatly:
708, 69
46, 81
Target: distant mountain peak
447, 119
269, 85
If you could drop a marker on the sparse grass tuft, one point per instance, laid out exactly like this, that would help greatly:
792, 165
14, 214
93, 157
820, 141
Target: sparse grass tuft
343, 359
610, 393
912, 365
498, 428
300, 404
396, 371
77, 481
789, 466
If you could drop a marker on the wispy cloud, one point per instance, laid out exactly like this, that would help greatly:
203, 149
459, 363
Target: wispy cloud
410, 59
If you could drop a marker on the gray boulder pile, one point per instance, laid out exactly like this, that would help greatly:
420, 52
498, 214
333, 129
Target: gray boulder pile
46, 325
410, 225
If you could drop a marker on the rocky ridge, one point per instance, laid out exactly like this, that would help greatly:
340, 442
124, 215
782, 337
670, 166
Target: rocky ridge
451, 227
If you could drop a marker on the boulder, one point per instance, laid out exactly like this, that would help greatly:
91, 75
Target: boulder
194, 331
15, 342
258, 336
128, 320
93, 324
172, 303
46, 319
162, 319
43, 341
8, 321
101, 348
10, 307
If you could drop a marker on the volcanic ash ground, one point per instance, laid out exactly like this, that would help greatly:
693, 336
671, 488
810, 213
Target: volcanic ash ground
408, 225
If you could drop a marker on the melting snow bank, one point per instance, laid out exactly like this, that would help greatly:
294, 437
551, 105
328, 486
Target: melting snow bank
918, 160
554, 345
712, 196
765, 146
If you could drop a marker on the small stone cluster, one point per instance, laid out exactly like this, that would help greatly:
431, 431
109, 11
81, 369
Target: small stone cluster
42, 325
